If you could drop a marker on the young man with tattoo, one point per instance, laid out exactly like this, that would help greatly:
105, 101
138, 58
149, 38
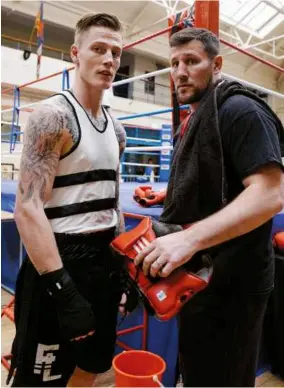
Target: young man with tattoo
67, 213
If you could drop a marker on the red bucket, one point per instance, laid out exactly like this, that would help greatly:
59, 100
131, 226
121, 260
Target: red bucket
138, 368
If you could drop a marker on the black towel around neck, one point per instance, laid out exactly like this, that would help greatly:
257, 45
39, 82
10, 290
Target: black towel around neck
198, 186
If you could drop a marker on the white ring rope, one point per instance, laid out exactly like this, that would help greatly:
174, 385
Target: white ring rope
140, 164
164, 71
22, 107
257, 87
8, 123
122, 82
127, 149
142, 139
154, 148
142, 76
137, 175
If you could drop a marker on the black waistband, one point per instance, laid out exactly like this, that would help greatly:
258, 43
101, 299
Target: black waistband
97, 238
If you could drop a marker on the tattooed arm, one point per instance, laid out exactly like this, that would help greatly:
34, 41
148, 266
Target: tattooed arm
45, 136
121, 136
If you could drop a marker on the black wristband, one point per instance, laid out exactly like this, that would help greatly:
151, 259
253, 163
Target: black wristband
57, 281
74, 312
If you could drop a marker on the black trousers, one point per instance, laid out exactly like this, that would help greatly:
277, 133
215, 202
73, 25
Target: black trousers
41, 357
219, 339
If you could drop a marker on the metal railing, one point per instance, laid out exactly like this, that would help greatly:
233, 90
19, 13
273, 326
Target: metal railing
25, 45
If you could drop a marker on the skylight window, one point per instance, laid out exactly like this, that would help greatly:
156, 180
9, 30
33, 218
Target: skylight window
272, 24
257, 17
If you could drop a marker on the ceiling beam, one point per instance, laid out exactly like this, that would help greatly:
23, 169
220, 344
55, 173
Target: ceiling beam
137, 18
271, 52
163, 4
264, 42
254, 65
236, 32
175, 6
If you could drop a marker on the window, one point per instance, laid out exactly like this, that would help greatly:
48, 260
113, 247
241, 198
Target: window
149, 87
6, 130
122, 90
7, 170
6, 133
258, 17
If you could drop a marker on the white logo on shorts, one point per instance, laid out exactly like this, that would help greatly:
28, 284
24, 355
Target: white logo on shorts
44, 359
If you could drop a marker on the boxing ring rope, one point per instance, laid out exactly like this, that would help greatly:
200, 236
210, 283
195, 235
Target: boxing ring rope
142, 139
9, 123
153, 74
127, 149
140, 164
154, 148
35, 81
114, 84
159, 72
139, 115
153, 113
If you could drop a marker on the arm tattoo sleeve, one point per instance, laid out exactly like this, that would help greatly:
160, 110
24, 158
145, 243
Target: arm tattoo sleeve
121, 136
41, 152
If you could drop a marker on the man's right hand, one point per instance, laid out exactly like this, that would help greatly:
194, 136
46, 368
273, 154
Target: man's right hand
75, 316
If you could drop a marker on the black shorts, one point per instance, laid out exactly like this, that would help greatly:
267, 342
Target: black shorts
42, 358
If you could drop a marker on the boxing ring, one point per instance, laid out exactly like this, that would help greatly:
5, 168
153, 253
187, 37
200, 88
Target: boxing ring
158, 337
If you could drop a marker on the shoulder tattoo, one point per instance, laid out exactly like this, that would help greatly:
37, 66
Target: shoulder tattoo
42, 143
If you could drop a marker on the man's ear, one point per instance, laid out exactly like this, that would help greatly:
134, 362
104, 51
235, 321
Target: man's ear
74, 53
217, 64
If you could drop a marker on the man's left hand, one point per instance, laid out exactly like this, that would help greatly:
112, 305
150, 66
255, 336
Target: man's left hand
122, 303
165, 254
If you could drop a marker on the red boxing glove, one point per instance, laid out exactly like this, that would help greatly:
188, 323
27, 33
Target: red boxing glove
145, 196
278, 242
141, 192
166, 296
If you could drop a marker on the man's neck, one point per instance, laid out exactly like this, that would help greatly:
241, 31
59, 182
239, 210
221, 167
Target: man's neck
89, 97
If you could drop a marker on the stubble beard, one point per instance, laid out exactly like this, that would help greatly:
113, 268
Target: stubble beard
197, 94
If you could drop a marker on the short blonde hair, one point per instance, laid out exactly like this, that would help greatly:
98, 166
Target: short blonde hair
96, 20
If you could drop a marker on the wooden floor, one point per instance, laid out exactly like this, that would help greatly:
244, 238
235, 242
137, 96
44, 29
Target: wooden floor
105, 379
